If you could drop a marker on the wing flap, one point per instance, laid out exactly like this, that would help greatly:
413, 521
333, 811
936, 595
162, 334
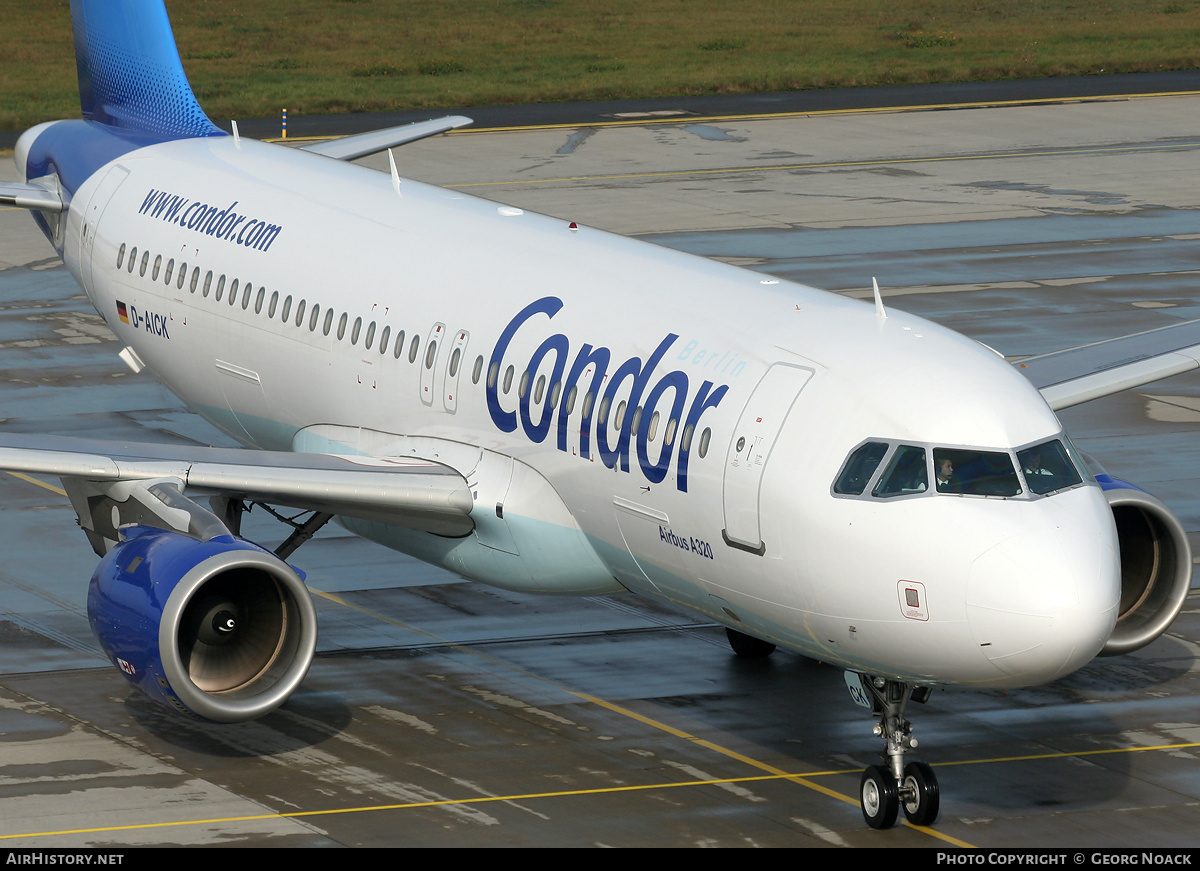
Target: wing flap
1076, 375
362, 144
402, 491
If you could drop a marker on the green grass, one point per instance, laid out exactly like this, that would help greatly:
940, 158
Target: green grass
248, 59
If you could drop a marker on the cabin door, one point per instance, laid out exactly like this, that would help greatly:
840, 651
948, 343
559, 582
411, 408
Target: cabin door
753, 438
91, 218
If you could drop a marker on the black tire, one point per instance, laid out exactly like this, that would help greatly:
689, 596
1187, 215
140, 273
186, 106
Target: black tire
924, 796
747, 645
879, 798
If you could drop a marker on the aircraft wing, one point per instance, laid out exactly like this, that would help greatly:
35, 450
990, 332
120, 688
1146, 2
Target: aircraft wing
1076, 375
29, 196
362, 144
402, 491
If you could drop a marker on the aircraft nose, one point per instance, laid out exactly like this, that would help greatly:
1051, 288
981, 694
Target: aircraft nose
1042, 603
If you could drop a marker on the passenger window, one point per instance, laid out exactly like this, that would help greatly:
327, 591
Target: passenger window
132, 259
705, 438
383, 339
478, 369
508, 377
157, 266
287, 309
416, 347
328, 322
247, 292
454, 358
170, 271
258, 300
300, 313
342, 322
233, 289
313, 318
354, 332
906, 473
182, 277
370, 339
220, 288
859, 468
207, 283
120, 255
399, 345
145, 263
274, 304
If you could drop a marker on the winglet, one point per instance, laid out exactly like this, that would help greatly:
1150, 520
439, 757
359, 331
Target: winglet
130, 74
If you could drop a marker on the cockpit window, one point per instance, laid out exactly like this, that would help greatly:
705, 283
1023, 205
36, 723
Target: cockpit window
1044, 469
859, 468
1047, 467
906, 473
975, 473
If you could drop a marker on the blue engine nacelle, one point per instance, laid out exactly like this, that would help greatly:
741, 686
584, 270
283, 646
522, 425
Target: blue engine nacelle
219, 629
1156, 565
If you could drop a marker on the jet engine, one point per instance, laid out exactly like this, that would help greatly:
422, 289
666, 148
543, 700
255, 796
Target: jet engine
220, 629
1156, 565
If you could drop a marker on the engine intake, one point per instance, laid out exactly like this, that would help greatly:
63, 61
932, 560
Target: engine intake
1156, 566
220, 629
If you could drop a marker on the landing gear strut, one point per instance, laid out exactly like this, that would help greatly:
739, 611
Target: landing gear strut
231, 510
884, 789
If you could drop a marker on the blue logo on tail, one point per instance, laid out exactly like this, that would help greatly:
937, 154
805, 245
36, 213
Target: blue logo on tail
130, 75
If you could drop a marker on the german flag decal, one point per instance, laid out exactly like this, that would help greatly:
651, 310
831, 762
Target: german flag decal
122, 313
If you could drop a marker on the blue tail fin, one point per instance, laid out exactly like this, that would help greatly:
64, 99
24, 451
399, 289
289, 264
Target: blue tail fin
130, 75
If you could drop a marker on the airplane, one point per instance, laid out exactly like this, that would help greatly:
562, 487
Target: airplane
549, 408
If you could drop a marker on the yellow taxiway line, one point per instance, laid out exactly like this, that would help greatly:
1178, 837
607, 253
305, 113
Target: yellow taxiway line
475, 800
767, 116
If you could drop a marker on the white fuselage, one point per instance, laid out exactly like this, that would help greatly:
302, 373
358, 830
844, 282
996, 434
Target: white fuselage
716, 496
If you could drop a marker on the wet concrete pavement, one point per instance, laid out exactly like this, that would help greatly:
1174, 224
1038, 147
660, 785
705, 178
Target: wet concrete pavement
442, 713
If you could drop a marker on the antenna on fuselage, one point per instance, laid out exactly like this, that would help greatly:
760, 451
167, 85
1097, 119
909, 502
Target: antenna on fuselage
879, 310
395, 174
237, 140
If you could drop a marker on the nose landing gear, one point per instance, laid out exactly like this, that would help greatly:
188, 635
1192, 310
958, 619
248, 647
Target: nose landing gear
884, 789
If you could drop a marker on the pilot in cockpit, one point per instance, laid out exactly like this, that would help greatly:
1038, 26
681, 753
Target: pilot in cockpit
946, 482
